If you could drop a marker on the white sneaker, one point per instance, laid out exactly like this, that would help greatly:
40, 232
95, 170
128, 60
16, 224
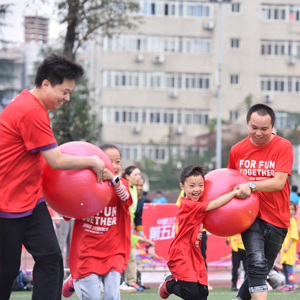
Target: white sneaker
125, 288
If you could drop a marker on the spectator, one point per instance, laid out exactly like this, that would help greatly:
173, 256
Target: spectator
147, 200
159, 198
294, 195
288, 253
238, 254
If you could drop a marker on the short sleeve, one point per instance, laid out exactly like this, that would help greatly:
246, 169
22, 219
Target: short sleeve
35, 129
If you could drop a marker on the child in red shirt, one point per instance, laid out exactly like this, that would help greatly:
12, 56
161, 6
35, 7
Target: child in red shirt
100, 244
188, 277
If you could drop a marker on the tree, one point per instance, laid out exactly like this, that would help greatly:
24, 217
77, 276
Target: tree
87, 17
74, 120
4, 10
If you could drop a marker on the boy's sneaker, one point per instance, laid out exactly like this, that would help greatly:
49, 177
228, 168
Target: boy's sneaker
137, 287
68, 287
289, 288
162, 290
125, 288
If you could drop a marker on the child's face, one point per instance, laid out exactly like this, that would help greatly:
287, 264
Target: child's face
292, 210
115, 158
193, 187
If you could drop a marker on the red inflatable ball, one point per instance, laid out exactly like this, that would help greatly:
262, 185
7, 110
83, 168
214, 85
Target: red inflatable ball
76, 193
235, 216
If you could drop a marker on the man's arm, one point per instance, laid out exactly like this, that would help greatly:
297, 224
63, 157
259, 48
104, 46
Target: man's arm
270, 185
59, 161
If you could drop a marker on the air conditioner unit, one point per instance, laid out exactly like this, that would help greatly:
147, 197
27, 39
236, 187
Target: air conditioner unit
138, 58
208, 25
178, 130
136, 129
158, 59
267, 97
291, 60
173, 94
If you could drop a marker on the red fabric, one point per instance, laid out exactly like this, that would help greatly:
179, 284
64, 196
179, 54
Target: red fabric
185, 259
24, 125
261, 163
102, 242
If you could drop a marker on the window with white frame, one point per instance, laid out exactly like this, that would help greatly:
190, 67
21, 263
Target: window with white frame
154, 44
280, 84
234, 79
270, 47
235, 7
278, 12
233, 115
153, 116
235, 43
155, 80
176, 8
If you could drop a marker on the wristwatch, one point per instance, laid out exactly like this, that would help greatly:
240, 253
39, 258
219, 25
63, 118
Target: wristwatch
252, 186
115, 181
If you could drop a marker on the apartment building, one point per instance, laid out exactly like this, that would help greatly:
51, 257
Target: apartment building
155, 88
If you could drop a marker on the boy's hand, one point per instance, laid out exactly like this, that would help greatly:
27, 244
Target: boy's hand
243, 189
107, 175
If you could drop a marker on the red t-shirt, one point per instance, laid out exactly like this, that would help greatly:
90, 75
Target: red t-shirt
24, 126
102, 242
185, 260
261, 163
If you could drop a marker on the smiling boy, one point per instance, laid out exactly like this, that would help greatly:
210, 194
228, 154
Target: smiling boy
188, 278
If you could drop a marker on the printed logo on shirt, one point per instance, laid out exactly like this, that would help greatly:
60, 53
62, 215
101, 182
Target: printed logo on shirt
199, 237
102, 221
257, 170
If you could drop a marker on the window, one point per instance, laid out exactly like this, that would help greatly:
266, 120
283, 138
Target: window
233, 115
234, 79
235, 43
235, 7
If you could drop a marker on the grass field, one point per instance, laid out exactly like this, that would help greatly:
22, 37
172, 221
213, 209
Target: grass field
216, 294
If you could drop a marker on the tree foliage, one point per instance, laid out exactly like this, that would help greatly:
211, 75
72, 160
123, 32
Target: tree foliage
5, 9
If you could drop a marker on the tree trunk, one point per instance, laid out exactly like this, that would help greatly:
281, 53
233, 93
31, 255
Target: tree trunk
71, 32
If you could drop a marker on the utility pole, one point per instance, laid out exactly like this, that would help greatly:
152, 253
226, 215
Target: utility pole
219, 86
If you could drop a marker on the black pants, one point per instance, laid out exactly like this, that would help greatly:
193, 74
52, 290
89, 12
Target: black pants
37, 234
188, 290
237, 257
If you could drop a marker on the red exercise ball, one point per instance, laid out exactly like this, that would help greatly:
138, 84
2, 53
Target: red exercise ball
76, 193
235, 216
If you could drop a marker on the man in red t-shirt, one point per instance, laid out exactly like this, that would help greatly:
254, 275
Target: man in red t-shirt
26, 136
267, 160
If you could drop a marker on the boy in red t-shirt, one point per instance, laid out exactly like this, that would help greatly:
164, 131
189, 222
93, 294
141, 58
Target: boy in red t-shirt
188, 278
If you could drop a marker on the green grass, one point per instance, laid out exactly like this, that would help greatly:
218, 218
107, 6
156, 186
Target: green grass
216, 294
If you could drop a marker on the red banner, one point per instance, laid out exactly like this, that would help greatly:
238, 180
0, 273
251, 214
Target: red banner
159, 226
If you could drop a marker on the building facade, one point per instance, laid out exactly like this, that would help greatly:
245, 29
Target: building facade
155, 88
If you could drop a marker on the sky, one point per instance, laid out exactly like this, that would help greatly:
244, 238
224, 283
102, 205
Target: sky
15, 19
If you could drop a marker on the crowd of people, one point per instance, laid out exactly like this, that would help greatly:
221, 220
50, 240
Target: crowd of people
103, 257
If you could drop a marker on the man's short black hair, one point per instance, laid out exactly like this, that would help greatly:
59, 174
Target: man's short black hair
192, 170
55, 68
262, 110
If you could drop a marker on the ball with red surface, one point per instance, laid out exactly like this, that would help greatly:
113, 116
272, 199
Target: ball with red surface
235, 216
76, 193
